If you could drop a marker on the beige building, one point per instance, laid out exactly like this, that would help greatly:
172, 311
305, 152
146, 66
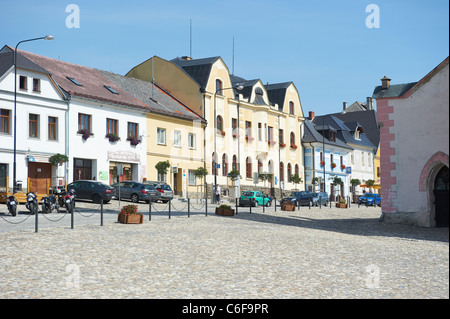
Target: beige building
254, 129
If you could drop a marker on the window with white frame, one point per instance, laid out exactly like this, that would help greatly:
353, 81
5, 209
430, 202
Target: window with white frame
161, 136
191, 141
177, 138
191, 178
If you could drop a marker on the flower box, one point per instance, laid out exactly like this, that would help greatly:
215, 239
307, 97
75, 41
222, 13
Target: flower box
333, 165
272, 142
322, 163
341, 205
342, 166
288, 206
131, 218
293, 146
282, 145
85, 134
224, 211
249, 138
133, 141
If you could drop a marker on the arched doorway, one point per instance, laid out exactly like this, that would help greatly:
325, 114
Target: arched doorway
441, 197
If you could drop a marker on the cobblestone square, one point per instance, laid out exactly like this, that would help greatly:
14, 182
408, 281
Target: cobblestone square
308, 253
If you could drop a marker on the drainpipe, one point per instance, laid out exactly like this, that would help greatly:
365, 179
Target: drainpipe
66, 140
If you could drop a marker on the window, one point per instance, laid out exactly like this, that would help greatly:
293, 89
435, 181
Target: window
341, 160
191, 141
52, 128
219, 124
161, 136
110, 89
248, 129
5, 118
281, 136
36, 85
248, 167
133, 130
234, 127
322, 160
292, 138
219, 87
260, 167
177, 138
297, 171
265, 132
23, 82
84, 122
111, 126
291, 108
33, 126
331, 158
191, 178
259, 132
235, 164
281, 172
224, 165
289, 172
74, 81
270, 133
213, 164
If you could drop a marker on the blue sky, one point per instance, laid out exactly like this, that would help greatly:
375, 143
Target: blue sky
324, 47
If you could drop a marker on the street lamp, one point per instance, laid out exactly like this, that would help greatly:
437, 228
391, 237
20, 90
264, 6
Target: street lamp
237, 87
47, 37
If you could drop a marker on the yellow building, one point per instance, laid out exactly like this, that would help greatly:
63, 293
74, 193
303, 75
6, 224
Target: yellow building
254, 129
174, 132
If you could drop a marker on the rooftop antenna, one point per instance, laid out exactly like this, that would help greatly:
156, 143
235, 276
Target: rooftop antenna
232, 70
190, 39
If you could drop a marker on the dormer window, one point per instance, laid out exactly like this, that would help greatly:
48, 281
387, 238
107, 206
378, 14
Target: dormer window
74, 81
110, 89
219, 87
291, 108
358, 132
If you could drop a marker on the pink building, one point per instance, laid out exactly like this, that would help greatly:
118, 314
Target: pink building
414, 149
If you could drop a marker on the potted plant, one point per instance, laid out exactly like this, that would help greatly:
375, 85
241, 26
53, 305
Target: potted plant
112, 137
224, 210
342, 203
58, 159
129, 215
85, 134
133, 141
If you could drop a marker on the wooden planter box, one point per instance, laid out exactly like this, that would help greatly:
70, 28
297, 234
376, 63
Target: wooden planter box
131, 219
339, 205
224, 211
288, 207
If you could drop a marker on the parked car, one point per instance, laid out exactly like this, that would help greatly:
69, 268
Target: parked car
136, 191
92, 190
371, 199
165, 192
254, 198
320, 198
302, 197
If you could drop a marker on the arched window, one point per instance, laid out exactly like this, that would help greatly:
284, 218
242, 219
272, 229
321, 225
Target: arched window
292, 138
224, 165
235, 164
260, 167
291, 108
248, 167
297, 171
281, 172
289, 172
219, 124
219, 87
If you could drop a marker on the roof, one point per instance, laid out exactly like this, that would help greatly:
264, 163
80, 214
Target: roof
7, 61
277, 93
396, 90
198, 69
94, 84
311, 134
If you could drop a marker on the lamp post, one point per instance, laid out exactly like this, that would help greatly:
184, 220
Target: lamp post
47, 37
237, 87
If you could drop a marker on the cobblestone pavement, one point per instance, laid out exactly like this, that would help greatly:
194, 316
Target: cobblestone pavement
307, 253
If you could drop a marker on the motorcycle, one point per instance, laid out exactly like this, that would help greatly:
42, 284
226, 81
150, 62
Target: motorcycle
49, 204
69, 200
32, 203
11, 203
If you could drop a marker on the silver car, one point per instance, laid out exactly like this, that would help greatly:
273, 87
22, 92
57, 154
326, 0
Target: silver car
136, 191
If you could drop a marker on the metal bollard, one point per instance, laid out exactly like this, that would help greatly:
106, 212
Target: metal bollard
170, 202
149, 210
71, 215
264, 206
236, 206
36, 221
206, 207
101, 212
275, 203
250, 207
189, 207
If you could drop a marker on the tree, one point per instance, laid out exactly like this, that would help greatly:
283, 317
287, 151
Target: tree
200, 172
296, 179
355, 182
162, 167
265, 177
234, 175
370, 183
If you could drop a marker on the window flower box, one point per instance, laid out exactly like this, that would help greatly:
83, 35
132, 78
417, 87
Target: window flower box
235, 135
294, 147
85, 134
272, 142
342, 166
222, 133
333, 165
112, 137
322, 163
133, 141
282, 145
249, 138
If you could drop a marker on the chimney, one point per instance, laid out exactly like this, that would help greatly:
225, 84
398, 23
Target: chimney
369, 104
311, 115
385, 83
186, 58
344, 106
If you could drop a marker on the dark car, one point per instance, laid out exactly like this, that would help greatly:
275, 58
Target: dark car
320, 198
136, 191
370, 199
165, 192
92, 190
303, 198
